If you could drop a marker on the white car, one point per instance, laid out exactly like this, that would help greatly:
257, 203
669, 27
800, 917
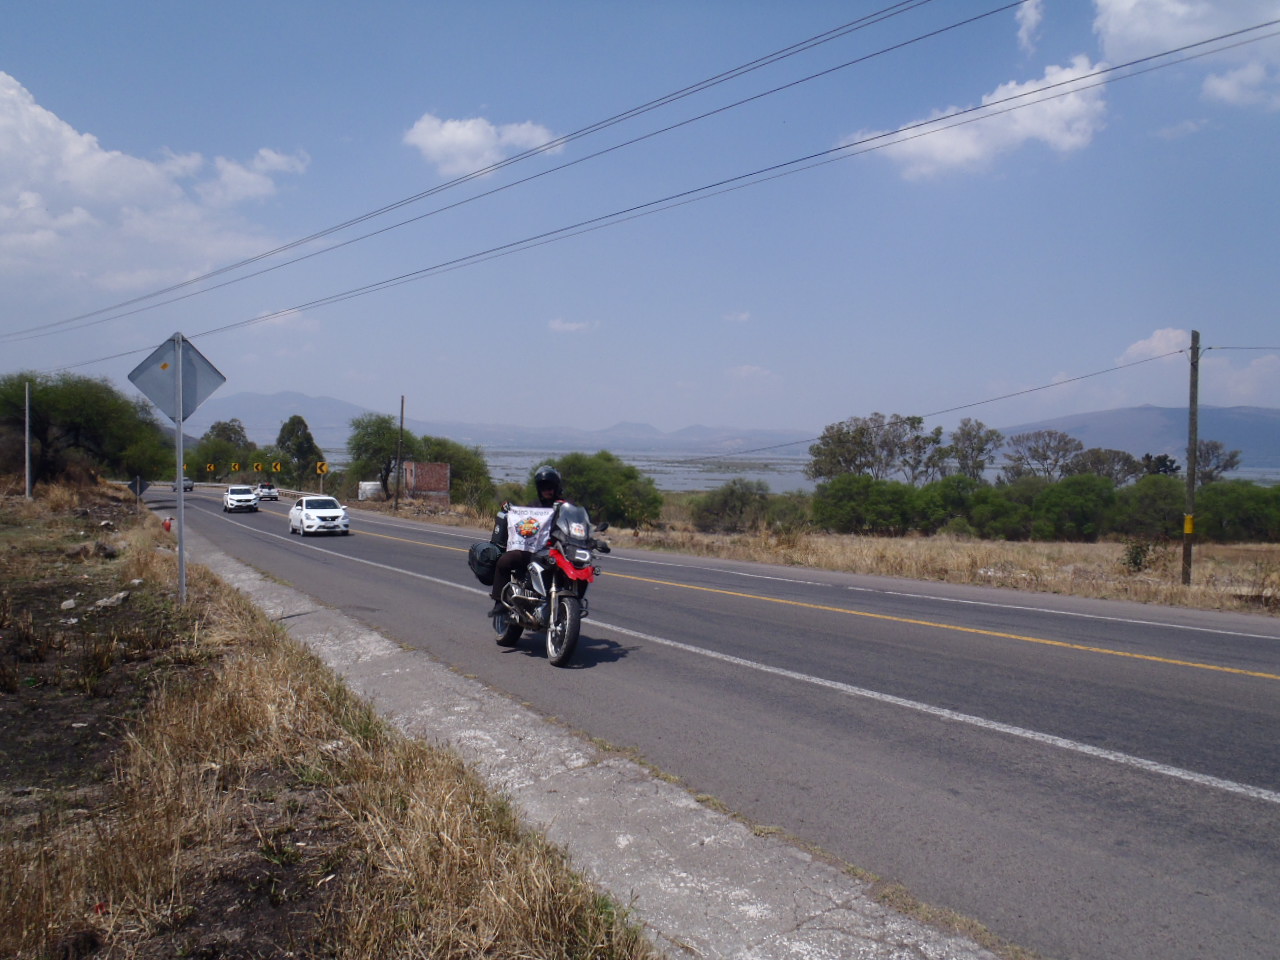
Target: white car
268, 491
187, 484
240, 498
318, 515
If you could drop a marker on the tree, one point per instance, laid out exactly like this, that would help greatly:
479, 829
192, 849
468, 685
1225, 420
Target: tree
1116, 465
1152, 508
945, 502
879, 446
232, 431
859, 503
1238, 510
79, 423
1075, 508
844, 447
1213, 460
1040, 453
922, 457
469, 480
377, 446
736, 506
1004, 512
212, 451
1162, 464
974, 447
298, 450
608, 488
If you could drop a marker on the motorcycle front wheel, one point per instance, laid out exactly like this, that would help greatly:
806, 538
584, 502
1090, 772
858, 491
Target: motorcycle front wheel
562, 632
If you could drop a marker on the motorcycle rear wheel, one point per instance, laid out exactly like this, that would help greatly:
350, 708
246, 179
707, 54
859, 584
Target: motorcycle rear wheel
508, 629
562, 633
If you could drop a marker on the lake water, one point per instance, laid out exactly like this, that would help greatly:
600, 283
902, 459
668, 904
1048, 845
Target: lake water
679, 472
672, 472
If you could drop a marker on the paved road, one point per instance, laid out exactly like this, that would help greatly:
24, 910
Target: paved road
1088, 779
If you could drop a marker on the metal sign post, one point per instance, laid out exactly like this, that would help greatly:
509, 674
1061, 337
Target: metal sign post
177, 379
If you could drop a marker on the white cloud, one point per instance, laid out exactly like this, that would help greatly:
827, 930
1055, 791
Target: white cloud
1067, 122
70, 209
238, 182
1186, 128
1158, 344
1254, 384
565, 326
1030, 15
458, 147
1250, 85
1129, 29
749, 373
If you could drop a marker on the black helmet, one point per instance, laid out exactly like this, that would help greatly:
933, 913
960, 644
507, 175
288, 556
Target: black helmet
547, 477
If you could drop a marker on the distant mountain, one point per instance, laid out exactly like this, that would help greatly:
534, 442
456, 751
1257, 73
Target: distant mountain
329, 421
1254, 431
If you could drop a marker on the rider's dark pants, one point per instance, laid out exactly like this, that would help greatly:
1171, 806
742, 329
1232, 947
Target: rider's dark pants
510, 562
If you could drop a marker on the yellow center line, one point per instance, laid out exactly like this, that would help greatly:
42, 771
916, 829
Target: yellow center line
416, 543
1084, 648
950, 626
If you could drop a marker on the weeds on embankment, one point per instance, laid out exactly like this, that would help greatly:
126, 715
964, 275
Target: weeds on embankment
183, 780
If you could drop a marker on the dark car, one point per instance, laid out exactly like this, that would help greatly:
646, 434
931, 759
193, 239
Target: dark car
187, 484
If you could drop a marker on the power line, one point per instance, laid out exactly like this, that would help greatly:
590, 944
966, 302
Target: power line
845, 151
879, 16
45, 330
963, 406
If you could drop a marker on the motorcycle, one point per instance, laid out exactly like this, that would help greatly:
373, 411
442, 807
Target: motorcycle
551, 594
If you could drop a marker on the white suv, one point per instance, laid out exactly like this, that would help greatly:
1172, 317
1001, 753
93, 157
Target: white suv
240, 498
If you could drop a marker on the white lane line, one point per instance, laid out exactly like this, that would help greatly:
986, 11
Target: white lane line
904, 594
1133, 621
931, 598
1047, 739
1113, 756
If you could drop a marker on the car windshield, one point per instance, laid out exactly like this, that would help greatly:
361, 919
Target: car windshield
266, 486
320, 503
240, 491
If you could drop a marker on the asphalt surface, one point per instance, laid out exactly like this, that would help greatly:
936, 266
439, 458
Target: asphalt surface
703, 884
1089, 779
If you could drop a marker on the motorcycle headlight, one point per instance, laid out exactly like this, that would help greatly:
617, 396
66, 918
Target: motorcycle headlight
582, 556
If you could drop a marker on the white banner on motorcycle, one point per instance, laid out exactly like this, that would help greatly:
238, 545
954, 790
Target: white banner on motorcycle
528, 527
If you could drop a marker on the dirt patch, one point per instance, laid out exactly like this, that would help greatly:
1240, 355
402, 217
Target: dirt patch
82, 652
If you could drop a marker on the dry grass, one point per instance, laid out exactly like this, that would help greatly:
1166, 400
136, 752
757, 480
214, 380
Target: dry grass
1241, 577
250, 806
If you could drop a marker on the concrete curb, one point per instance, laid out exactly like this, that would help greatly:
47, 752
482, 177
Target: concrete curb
702, 884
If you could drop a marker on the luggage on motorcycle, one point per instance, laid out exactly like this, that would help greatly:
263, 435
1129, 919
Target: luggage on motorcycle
482, 558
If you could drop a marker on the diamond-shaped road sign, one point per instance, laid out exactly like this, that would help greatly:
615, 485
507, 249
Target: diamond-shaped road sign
157, 378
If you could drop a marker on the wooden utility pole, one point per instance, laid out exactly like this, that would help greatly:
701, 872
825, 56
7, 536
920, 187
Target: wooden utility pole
1193, 445
399, 454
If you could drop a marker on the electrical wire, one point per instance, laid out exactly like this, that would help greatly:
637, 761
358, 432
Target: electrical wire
879, 16
46, 329
938, 124
963, 406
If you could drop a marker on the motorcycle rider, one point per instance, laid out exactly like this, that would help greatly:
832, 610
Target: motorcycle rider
550, 487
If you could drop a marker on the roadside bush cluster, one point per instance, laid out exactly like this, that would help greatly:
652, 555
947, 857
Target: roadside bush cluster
1081, 508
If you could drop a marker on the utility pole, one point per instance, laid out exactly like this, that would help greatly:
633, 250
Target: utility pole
1193, 445
399, 454
27, 441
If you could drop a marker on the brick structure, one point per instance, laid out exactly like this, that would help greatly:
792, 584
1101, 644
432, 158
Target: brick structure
426, 481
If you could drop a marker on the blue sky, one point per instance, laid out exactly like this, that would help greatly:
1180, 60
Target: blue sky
144, 145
